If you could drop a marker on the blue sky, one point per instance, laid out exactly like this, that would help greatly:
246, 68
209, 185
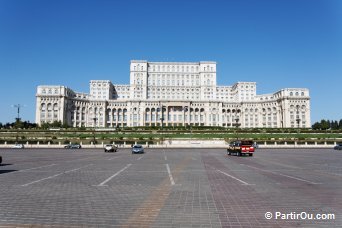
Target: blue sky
278, 44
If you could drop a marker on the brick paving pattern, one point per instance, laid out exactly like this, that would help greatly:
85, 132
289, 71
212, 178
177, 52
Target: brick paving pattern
168, 188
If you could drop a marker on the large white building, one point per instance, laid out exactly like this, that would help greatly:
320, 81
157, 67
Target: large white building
173, 94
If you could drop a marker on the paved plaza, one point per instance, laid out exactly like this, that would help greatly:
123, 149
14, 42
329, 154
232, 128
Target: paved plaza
170, 188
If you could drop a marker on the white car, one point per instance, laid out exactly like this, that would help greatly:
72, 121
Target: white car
18, 146
110, 148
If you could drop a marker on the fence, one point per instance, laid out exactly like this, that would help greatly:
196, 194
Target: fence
215, 143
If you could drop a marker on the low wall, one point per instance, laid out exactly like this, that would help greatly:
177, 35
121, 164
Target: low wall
186, 144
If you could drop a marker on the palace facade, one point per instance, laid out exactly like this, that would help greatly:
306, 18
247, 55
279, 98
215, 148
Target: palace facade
173, 94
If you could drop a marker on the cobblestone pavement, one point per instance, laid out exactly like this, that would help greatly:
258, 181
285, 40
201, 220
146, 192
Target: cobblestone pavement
170, 188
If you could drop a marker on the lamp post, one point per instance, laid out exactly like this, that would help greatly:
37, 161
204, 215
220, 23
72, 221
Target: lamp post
190, 120
297, 116
237, 125
94, 119
185, 110
162, 117
18, 106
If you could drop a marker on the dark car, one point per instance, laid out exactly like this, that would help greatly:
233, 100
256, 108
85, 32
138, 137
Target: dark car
241, 147
338, 146
0, 159
137, 149
73, 146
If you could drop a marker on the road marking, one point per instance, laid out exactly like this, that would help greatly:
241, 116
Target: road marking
80, 159
281, 164
114, 175
140, 157
284, 175
325, 165
112, 158
146, 213
56, 175
170, 175
235, 178
36, 168
165, 158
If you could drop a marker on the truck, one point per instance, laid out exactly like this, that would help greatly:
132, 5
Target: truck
241, 147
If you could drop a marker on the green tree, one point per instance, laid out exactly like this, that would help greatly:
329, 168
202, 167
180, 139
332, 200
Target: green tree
334, 125
325, 125
317, 126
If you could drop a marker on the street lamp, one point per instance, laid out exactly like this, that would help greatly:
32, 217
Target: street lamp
162, 117
18, 106
237, 125
297, 116
185, 110
94, 119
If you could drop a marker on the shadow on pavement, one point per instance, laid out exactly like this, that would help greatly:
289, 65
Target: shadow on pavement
5, 164
7, 171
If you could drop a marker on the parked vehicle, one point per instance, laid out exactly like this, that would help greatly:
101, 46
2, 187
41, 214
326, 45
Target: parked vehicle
110, 148
137, 149
255, 145
18, 146
73, 146
0, 159
338, 146
241, 147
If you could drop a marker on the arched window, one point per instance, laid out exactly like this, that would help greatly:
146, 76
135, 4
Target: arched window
43, 107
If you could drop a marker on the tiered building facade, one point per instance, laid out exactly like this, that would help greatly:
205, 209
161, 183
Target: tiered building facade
173, 94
